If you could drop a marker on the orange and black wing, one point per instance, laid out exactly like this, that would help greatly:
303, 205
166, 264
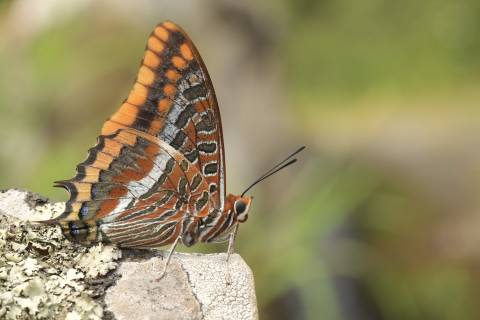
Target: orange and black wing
173, 99
159, 158
146, 193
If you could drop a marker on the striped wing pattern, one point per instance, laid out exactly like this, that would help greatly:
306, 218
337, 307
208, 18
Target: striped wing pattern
158, 167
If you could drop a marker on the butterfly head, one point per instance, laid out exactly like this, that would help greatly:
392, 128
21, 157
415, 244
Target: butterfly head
240, 206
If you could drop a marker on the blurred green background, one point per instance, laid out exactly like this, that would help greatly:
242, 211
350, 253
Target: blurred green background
380, 218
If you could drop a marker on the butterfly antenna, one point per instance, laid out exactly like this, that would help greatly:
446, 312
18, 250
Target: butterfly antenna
279, 166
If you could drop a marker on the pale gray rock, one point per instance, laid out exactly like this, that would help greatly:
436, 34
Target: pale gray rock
196, 286
44, 276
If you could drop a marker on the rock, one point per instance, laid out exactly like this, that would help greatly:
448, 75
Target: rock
195, 287
44, 276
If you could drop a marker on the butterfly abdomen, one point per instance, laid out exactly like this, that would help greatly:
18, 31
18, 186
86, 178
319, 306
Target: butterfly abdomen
80, 231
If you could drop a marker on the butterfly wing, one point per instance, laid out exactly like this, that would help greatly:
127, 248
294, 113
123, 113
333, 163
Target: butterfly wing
134, 190
132, 187
174, 100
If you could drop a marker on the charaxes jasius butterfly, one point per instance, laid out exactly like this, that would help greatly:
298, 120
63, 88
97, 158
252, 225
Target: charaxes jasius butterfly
157, 173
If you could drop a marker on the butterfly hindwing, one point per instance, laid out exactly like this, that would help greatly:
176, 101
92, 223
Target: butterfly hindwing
132, 180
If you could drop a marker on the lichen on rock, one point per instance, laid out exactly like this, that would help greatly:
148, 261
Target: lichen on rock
43, 275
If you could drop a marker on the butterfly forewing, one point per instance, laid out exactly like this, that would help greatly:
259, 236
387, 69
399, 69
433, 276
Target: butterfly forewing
173, 99
159, 159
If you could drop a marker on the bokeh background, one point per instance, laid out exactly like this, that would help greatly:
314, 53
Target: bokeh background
379, 219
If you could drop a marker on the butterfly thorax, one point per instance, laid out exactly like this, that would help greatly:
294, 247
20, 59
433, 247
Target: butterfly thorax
217, 226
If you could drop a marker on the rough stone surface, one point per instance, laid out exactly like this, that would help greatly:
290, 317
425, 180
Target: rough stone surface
44, 276
204, 287
127, 299
224, 290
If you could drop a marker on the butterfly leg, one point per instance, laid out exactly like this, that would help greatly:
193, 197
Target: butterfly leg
169, 256
231, 242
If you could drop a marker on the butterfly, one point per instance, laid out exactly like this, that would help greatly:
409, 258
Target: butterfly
156, 176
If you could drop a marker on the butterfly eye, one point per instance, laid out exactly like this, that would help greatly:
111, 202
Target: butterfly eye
240, 207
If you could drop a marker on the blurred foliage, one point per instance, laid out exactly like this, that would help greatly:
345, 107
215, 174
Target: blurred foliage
347, 48
379, 219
